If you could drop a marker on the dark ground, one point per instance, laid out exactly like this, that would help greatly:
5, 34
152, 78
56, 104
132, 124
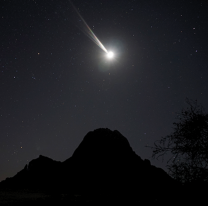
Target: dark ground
23, 198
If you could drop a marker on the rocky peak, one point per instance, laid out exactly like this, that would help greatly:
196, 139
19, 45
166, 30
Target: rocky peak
41, 163
103, 143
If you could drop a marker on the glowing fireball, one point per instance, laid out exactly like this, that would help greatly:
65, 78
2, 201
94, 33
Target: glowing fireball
110, 55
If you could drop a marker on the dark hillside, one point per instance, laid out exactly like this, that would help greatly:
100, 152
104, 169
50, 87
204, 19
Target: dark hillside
103, 165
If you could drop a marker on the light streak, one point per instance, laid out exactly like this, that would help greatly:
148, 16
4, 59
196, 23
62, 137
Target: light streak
89, 31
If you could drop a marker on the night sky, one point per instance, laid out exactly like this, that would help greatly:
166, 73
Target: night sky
56, 84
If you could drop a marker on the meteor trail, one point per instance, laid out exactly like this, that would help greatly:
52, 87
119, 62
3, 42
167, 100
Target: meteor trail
88, 31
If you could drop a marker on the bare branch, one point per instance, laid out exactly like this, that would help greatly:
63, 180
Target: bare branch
187, 146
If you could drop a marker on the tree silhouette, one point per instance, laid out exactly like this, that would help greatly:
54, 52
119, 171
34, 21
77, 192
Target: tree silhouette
187, 145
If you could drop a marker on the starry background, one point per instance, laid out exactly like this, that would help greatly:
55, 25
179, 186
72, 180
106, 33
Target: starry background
56, 84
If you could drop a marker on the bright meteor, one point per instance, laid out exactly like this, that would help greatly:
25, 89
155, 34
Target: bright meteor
86, 29
110, 55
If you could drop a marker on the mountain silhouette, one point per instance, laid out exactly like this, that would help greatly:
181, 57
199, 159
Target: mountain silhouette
103, 165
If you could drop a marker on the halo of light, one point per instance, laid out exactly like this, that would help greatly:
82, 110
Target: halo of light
110, 55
